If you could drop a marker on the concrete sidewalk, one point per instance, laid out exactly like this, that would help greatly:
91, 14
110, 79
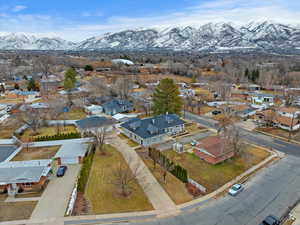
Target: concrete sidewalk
155, 193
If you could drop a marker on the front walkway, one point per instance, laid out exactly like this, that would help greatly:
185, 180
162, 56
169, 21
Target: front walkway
155, 193
55, 199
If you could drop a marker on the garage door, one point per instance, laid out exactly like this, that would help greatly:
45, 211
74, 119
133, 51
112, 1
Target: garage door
73, 160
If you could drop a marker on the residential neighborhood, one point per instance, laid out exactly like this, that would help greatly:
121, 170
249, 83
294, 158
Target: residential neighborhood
149, 113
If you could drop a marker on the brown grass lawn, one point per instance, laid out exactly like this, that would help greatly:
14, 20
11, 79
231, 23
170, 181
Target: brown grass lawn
174, 187
280, 132
28, 134
102, 194
214, 176
73, 114
16, 210
193, 128
37, 153
8, 128
130, 142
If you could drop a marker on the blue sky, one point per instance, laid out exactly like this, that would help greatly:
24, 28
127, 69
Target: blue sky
77, 20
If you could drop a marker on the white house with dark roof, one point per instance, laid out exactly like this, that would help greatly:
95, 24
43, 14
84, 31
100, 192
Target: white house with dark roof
152, 130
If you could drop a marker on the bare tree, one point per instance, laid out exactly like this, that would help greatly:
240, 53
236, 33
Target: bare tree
124, 178
100, 135
233, 139
43, 64
32, 118
98, 87
122, 87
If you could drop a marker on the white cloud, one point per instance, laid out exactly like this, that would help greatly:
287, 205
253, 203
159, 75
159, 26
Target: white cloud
236, 11
19, 8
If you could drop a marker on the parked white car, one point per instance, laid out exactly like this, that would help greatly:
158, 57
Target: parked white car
236, 189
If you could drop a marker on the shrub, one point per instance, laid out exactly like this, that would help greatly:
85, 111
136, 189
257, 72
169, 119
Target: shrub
193, 190
178, 171
58, 137
85, 169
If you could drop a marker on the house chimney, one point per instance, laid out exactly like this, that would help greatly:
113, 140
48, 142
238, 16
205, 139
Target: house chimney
153, 121
167, 113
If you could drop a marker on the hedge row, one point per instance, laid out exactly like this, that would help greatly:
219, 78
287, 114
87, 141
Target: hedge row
85, 169
58, 137
176, 170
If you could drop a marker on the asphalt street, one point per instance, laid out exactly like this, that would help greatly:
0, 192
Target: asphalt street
272, 191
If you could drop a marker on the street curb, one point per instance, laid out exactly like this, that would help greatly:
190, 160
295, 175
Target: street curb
209, 197
278, 137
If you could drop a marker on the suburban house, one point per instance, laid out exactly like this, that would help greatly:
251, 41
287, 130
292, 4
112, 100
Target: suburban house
152, 130
93, 123
116, 106
24, 175
287, 123
213, 150
290, 112
284, 118
262, 99
246, 113
49, 85
94, 109
254, 87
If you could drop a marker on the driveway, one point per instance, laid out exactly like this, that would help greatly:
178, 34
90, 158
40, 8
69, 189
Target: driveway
55, 199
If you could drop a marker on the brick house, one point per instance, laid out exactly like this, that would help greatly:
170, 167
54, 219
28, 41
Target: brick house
213, 150
24, 175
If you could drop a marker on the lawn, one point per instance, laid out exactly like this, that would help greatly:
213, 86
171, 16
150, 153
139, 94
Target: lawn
74, 114
48, 131
130, 142
214, 176
16, 210
193, 128
36, 153
102, 194
280, 132
174, 187
8, 128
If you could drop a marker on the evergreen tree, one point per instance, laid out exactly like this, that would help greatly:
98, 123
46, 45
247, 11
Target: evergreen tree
2, 88
247, 73
17, 87
70, 79
166, 98
31, 85
88, 68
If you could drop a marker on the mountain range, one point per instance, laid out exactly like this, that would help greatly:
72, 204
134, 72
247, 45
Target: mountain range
209, 37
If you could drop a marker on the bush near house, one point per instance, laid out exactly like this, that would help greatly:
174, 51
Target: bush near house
86, 168
162, 160
58, 137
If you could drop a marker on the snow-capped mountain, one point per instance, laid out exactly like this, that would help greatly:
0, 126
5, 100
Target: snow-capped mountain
213, 36
268, 36
21, 41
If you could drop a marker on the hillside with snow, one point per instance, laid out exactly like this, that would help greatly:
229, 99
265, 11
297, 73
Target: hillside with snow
209, 37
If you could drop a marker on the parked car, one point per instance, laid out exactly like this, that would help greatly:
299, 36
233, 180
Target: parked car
216, 112
270, 220
61, 171
236, 189
194, 142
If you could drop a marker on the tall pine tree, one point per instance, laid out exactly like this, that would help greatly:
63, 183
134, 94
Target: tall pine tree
166, 98
70, 79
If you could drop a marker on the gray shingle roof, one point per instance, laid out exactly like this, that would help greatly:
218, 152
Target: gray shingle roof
94, 122
22, 174
117, 105
153, 126
6, 151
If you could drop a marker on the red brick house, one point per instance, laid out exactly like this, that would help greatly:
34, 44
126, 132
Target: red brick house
213, 150
25, 176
